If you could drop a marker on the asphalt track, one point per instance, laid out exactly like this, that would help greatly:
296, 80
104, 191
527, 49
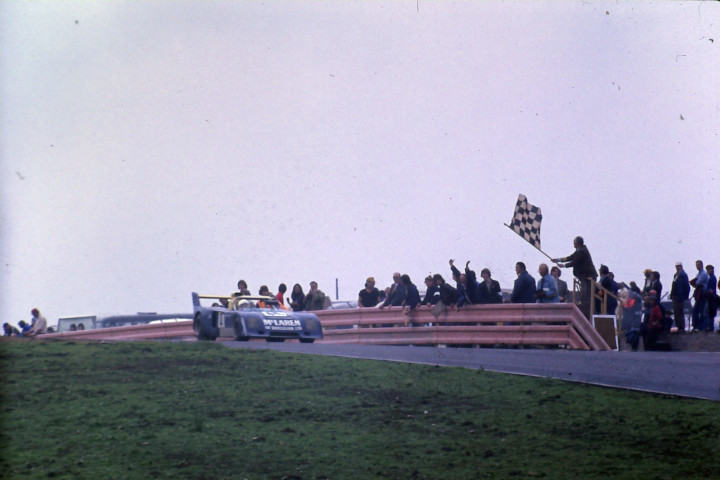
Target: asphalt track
688, 374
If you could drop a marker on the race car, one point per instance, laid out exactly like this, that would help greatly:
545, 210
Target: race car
245, 317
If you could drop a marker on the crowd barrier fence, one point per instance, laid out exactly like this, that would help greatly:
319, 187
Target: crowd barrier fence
559, 324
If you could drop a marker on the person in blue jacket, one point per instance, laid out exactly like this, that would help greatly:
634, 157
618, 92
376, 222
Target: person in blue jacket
547, 291
524, 288
412, 298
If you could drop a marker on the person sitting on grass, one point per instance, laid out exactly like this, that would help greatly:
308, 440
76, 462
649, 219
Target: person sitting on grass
9, 330
39, 325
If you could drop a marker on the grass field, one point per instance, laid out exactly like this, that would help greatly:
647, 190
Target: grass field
204, 411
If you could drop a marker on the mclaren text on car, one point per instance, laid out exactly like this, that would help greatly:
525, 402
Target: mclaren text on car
245, 317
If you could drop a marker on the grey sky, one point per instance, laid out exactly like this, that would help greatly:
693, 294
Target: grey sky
151, 149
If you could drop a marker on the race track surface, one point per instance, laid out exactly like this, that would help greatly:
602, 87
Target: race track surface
689, 374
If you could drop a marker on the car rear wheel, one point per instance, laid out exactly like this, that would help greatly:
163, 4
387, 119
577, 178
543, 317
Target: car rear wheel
307, 340
197, 327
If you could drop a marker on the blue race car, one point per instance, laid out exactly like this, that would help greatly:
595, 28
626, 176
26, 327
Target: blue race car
245, 317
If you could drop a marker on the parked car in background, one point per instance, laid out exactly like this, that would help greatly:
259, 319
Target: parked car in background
342, 304
140, 318
71, 324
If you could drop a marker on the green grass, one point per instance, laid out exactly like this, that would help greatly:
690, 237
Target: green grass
204, 411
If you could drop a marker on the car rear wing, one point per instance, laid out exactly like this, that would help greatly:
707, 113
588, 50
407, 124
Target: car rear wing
196, 298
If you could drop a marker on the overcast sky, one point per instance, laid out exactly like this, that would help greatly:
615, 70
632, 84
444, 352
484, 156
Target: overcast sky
151, 149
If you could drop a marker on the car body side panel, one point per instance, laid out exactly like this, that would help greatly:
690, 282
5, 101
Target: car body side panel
268, 323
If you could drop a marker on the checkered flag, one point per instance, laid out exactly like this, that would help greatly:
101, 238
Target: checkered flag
526, 221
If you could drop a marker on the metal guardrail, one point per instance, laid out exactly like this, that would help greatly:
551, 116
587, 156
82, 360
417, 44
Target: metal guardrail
498, 324
504, 324
150, 331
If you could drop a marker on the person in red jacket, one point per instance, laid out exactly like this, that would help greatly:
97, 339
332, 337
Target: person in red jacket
655, 323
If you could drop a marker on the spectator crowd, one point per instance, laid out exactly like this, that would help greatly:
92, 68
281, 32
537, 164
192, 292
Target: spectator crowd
595, 296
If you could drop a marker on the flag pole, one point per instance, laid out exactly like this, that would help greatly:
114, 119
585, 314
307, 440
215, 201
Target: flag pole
536, 248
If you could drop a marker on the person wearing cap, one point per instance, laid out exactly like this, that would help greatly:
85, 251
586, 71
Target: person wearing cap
679, 293
369, 296
39, 324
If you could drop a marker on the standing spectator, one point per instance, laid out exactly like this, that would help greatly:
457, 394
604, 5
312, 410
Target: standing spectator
615, 287
711, 298
547, 291
524, 289
315, 298
489, 289
448, 294
679, 293
563, 293
432, 292
648, 281
467, 285
397, 294
297, 298
242, 288
656, 285
412, 297
634, 288
654, 323
607, 283
264, 292
369, 296
700, 284
39, 324
282, 288
583, 269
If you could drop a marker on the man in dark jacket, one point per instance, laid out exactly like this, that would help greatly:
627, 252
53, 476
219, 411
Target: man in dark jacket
467, 285
432, 292
583, 269
606, 282
489, 289
679, 293
397, 293
524, 289
448, 294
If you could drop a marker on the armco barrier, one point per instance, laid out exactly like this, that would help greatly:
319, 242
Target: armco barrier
500, 324
150, 331
497, 324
